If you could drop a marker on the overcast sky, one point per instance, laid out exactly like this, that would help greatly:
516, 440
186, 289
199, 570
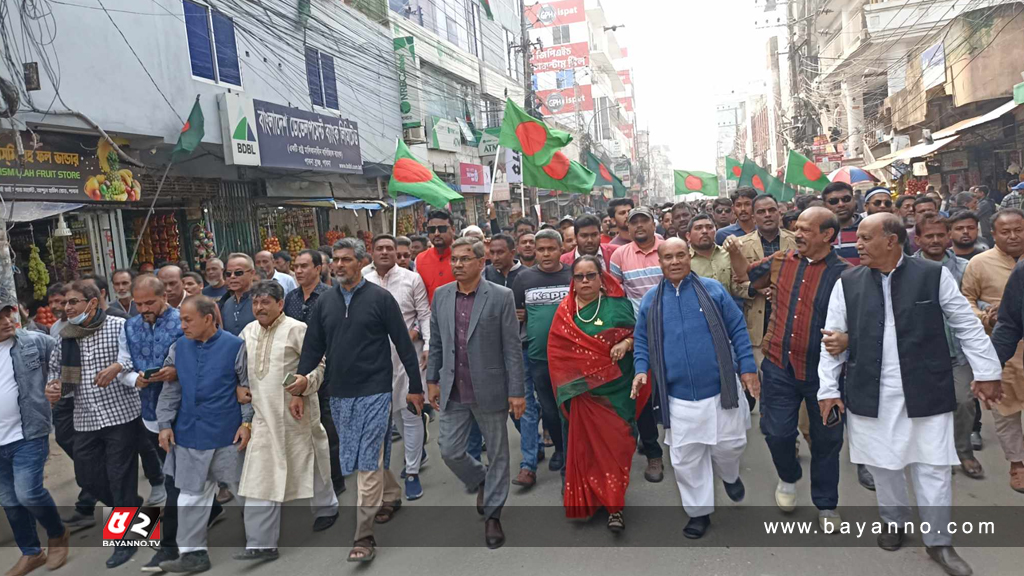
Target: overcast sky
684, 54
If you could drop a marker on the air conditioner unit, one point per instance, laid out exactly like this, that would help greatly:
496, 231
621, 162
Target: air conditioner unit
415, 135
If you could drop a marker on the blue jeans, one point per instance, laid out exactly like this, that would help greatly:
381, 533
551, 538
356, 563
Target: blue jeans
23, 496
530, 442
781, 395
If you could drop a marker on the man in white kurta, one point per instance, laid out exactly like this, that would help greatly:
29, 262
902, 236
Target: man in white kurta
287, 457
893, 443
411, 294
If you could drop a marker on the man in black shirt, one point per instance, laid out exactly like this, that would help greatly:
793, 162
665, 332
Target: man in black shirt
964, 234
503, 267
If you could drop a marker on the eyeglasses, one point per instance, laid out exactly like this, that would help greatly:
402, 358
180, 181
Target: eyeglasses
723, 211
461, 260
845, 199
74, 302
438, 229
886, 203
589, 277
236, 273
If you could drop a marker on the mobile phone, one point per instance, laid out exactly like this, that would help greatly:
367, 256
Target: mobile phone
411, 408
289, 380
833, 417
147, 374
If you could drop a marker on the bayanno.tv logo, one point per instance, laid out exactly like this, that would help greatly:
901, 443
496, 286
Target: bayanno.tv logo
127, 526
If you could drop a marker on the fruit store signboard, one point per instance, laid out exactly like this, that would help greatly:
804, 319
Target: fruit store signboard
64, 167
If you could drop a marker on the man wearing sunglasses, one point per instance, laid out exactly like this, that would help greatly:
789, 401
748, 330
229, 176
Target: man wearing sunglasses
743, 209
721, 211
435, 264
236, 305
839, 199
878, 200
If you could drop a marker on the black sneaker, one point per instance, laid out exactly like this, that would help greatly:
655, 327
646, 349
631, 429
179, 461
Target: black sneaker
198, 561
258, 554
864, 477
162, 554
121, 555
322, 523
557, 462
79, 521
697, 527
736, 491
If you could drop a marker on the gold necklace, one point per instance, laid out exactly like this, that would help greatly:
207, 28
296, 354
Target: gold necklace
596, 312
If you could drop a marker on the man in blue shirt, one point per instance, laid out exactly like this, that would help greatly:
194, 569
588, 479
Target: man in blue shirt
743, 209
687, 334
236, 305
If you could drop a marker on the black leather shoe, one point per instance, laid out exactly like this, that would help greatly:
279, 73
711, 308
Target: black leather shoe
891, 541
121, 555
323, 523
257, 554
696, 527
493, 534
736, 491
557, 462
480, 499
864, 477
950, 561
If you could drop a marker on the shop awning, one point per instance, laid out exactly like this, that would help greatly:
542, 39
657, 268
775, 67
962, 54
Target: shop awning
335, 204
18, 211
405, 201
369, 205
916, 151
976, 121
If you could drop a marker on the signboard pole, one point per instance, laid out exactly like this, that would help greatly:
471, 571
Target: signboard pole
494, 174
145, 223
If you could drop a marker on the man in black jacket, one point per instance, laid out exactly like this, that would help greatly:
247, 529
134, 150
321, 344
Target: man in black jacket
360, 320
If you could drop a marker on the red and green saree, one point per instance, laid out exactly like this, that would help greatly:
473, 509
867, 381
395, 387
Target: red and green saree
593, 393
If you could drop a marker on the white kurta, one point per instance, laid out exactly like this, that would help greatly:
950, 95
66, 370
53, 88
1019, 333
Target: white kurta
411, 294
706, 422
893, 440
279, 461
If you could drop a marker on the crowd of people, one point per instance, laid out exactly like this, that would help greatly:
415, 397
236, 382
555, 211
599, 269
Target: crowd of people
888, 322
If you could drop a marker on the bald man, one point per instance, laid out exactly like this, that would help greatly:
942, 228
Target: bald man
265, 266
174, 290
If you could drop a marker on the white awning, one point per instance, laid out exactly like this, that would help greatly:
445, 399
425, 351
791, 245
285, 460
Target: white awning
916, 151
976, 121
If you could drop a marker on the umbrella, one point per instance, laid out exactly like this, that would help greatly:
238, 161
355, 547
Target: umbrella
851, 175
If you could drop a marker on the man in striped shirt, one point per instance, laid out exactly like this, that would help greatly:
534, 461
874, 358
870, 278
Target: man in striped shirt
839, 199
637, 267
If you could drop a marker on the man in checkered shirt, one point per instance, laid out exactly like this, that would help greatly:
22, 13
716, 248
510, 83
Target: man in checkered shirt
107, 408
1014, 199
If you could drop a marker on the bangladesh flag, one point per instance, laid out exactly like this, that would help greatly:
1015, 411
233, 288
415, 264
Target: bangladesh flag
733, 168
412, 178
487, 8
559, 174
604, 176
764, 183
191, 133
802, 172
524, 133
688, 182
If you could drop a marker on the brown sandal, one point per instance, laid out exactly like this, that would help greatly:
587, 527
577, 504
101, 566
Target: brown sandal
972, 468
366, 548
387, 511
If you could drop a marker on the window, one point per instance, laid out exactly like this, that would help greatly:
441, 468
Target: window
603, 127
565, 79
512, 60
475, 31
323, 84
211, 44
561, 34
493, 109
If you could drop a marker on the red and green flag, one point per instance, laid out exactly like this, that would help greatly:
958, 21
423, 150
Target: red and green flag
605, 177
411, 177
802, 172
559, 174
764, 183
733, 168
688, 182
191, 133
524, 133
486, 4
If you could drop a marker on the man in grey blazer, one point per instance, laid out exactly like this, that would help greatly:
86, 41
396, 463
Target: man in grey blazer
475, 370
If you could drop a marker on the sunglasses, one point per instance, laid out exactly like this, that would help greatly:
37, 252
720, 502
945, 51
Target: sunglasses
845, 199
589, 277
724, 211
886, 203
440, 229
236, 273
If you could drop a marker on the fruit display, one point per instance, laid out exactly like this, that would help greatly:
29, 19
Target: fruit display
406, 226
295, 226
916, 186
295, 245
332, 236
202, 243
367, 239
160, 240
45, 317
115, 184
38, 274
272, 244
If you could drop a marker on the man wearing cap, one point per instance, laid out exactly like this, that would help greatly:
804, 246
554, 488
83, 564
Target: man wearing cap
1014, 199
637, 267
878, 199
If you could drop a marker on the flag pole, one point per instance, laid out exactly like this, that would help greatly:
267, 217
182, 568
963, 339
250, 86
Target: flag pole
494, 173
145, 223
394, 199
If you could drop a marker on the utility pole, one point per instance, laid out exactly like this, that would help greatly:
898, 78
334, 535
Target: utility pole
525, 45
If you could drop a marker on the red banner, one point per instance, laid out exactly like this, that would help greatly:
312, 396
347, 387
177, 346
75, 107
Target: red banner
562, 57
548, 14
472, 178
627, 130
566, 101
627, 103
625, 76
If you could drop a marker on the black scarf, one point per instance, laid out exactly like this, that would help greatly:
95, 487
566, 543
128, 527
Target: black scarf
720, 340
71, 352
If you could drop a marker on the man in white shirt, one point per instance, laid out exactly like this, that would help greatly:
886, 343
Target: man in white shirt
899, 382
411, 294
265, 265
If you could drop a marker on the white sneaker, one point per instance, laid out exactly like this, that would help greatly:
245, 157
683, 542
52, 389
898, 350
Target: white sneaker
785, 496
157, 496
829, 521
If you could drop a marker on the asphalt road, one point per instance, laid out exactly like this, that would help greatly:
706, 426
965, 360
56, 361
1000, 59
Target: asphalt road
441, 535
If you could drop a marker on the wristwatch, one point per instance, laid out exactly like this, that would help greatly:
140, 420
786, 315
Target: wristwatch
248, 425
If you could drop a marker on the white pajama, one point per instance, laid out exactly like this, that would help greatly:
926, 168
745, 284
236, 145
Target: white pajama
412, 432
705, 440
933, 488
193, 513
263, 517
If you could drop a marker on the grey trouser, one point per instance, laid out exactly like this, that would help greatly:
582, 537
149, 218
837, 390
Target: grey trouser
455, 422
966, 409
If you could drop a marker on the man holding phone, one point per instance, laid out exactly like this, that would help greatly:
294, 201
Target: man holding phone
900, 388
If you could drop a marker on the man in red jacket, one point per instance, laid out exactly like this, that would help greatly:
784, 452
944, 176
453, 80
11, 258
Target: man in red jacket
435, 265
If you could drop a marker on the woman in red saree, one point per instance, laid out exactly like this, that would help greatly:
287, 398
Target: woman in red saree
590, 354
